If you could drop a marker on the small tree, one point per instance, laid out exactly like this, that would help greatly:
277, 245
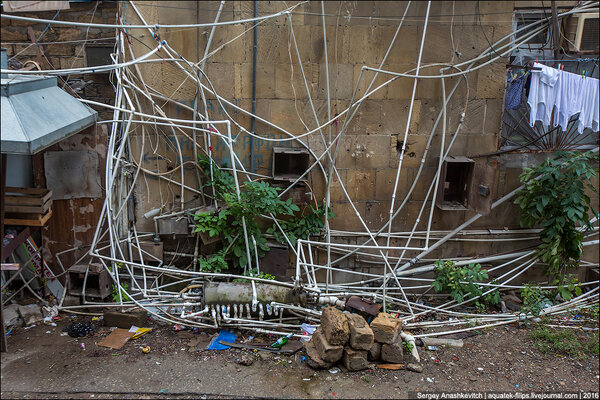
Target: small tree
557, 201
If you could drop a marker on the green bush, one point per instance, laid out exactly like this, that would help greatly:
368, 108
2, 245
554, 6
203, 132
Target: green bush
461, 281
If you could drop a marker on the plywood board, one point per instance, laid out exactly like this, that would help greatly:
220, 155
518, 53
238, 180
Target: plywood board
116, 339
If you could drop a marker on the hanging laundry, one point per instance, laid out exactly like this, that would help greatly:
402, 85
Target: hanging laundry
590, 111
542, 93
514, 97
576, 94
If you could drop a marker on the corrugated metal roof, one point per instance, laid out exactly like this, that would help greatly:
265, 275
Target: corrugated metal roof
36, 114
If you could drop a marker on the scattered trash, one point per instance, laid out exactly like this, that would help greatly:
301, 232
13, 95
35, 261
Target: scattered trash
480, 369
390, 366
146, 349
48, 332
225, 336
281, 341
433, 348
138, 332
82, 346
309, 329
9, 331
116, 339
177, 328
334, 370
430, 380
246, 359
64, 334
78, 329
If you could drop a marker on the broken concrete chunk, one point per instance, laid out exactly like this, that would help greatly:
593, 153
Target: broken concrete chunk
375, 351
327, 351
31, 314
314, 360
354, 360
392, 353
11, 314
361, 335
335, 326
385, 328
125, 320
415, 367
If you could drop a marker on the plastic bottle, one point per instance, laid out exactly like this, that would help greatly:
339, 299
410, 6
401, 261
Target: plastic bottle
281, 341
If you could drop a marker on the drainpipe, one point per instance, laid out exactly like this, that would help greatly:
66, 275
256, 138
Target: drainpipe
253, 121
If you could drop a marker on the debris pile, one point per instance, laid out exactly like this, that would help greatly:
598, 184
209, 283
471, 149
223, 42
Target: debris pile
349, 339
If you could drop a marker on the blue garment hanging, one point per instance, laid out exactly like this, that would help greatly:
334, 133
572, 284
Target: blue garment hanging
514, 97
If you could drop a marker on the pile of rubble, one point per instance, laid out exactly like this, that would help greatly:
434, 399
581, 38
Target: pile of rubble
349, 338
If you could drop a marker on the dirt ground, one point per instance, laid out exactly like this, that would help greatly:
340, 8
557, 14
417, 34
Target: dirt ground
42, 363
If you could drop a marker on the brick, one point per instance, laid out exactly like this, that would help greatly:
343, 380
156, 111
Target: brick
361, 335
334, 324
392, 352
65, 34
314, 360
354, 360
374, 352
385, 328
14, 34
385, 180
327, 352
125, 320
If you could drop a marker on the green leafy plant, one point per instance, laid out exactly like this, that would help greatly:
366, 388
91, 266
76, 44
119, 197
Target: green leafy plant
554, 197
568, 286
255, 199
534, 300
458, 281
408, 346
115, 292
301, 227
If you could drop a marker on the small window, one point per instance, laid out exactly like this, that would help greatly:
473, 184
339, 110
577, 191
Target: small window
289, 163
455, 183
524, 18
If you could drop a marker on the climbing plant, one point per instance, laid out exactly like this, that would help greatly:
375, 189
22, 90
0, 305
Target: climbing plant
256, 199
554, 198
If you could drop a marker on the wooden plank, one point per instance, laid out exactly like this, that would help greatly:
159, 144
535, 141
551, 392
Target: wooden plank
40, 221
25, 209
18, 200
38, 191
390, 366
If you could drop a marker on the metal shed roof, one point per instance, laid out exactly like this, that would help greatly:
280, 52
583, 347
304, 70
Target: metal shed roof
36, 114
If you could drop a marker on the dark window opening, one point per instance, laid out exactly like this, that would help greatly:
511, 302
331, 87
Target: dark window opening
289, 164
455, 183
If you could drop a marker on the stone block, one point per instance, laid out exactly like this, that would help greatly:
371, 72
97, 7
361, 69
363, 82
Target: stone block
361, 335
334, 324
360, 184
327, 352
365, 81
490, 82
340, 81
405, 47
345, 216
125, 320
392, 352
31, 314
354, 360
385, 180
314, 360
385, 328
14, 34
373, 151
374, 352
376, 214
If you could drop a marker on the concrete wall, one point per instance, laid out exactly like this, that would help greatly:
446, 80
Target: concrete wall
370, 150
